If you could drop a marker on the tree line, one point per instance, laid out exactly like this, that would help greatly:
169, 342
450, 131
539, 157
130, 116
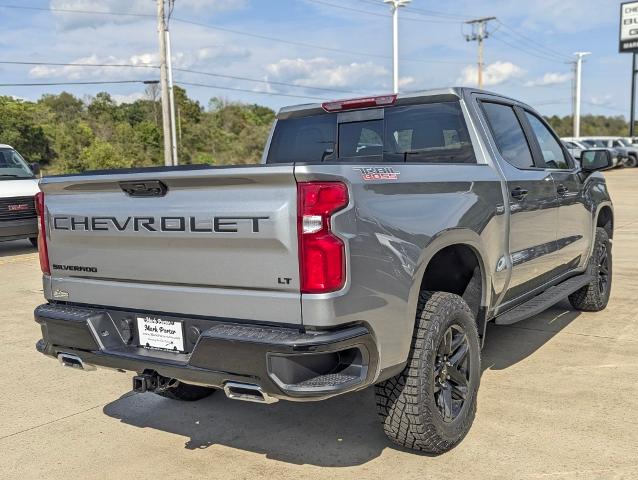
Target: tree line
67, 134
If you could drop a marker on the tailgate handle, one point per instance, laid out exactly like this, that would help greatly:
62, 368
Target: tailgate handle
149, 188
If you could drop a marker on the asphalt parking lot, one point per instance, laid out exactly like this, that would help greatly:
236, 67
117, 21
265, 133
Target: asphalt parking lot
558, 399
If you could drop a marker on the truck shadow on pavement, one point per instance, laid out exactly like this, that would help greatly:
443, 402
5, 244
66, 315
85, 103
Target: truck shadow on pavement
340, 432
17, 247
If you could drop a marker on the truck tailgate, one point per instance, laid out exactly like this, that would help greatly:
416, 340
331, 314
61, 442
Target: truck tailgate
217, 242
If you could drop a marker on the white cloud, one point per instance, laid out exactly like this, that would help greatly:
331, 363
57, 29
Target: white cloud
214, 5
605, 100
406, 81
200, 58
135, 8
494, 74
327, 73
128, 98
550, 78
76, 73
559, 15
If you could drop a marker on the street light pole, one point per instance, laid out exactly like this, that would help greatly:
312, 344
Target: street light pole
395, 5
579, 64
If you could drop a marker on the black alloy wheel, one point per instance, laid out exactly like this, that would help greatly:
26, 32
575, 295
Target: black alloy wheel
603, 269
452, 373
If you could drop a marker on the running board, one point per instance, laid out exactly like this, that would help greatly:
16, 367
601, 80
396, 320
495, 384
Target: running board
542, 302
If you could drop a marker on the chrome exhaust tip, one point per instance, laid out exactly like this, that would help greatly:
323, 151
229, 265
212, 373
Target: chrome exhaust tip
73, 361
248, 393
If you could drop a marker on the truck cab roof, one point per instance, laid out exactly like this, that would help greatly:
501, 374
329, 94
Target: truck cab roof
432, 95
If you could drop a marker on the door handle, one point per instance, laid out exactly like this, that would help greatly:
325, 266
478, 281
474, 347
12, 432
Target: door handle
519, 193
562, 190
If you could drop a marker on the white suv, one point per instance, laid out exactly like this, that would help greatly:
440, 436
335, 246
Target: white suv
18, 186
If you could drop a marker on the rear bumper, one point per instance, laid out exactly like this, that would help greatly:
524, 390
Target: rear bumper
284, 362
18, 229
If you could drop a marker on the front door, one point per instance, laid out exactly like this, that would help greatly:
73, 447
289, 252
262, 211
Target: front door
575, 229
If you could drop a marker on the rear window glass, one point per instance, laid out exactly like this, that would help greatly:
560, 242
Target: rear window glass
361, 139
430, 133
307, 139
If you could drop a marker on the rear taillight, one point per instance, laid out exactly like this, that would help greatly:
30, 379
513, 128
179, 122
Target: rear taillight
321, 253
42, 234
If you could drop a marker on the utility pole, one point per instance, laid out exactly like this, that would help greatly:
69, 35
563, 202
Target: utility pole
479, 33
166, 85
171, 97
577, 93
632, 114
166, 115
395, 5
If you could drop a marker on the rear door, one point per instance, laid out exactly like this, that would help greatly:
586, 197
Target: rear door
574, 230
533, 200
216, 242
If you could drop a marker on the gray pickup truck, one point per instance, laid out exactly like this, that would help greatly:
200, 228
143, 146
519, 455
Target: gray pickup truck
373, 245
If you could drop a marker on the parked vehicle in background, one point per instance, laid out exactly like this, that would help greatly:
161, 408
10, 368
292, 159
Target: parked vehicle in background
372, 248
18, 186
623, 145
576, 148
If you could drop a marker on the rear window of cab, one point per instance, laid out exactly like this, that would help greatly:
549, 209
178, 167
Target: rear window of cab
426, 133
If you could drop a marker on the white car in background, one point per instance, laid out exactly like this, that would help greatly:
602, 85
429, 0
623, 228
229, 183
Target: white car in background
18, 186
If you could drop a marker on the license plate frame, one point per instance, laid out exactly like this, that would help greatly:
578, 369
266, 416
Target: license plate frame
157, 333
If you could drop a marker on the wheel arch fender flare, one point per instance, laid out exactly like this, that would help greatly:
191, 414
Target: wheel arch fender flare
448, 238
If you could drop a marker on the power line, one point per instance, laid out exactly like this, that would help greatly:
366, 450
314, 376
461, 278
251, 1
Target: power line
46, 84
539, 46
307, 45
425, 13
85, 12
234, 89
184, 70
56, 64
497, 36
236, 32
367, 12
272, 82
593, 104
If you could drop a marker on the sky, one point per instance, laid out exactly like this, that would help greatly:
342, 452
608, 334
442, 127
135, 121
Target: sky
319, 49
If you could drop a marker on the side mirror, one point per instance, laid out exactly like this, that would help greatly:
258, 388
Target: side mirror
35, 168
594, 160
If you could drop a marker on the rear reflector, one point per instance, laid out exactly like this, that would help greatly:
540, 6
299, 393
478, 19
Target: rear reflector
367, 102
42, 234
321, 253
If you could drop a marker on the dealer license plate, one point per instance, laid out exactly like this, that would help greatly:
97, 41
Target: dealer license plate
159, 334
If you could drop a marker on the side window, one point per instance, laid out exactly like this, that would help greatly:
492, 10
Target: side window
361, 139
508, 135
431, 133
550, 148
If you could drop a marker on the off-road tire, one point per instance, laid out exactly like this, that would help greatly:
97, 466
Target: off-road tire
34, 241
186, 392
406, 403
593, 298
631, 162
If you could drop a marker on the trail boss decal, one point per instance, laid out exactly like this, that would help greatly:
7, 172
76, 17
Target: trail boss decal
377, 173
161, 224
21, 207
